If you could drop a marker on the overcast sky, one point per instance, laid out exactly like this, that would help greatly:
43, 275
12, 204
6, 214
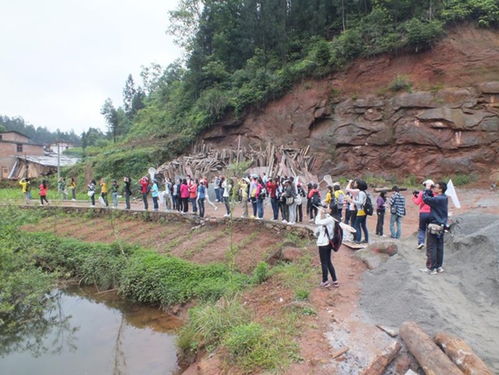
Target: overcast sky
60, 59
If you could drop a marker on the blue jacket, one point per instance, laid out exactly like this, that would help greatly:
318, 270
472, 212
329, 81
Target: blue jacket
439, 207
201, 192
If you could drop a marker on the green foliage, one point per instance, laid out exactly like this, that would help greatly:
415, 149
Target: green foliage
460, 179
421, 35
208, 324
484, 12
260, 273
400, 83
302, 294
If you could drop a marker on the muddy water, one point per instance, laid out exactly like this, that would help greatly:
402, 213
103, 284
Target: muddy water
90, 333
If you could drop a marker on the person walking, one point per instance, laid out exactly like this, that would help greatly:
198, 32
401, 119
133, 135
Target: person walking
434, 196
155, 194
325, 234
43, 190
127, 191
114, 193
380, 212
201, 196
103, 191
397, 210
144, 189
91, 192
25, 188
184, 196
72, 186
227, 188
424, 213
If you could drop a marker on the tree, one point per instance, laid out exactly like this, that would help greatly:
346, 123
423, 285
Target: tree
129, 93
111, 116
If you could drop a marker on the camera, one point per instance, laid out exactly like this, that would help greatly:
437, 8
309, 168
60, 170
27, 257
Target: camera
415, 193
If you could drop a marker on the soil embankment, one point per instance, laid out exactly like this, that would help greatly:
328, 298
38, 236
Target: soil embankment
354, 124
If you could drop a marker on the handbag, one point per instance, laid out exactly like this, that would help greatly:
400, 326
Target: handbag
290, 201
435, 229
298, 200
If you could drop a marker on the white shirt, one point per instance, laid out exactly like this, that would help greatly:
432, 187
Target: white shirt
320, 231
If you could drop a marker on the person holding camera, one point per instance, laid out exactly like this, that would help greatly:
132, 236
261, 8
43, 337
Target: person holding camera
325, 235
424, 213
434, 196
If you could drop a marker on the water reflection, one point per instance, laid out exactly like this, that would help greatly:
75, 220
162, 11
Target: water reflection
92, 333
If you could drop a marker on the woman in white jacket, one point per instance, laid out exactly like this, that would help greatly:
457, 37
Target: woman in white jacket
325, 233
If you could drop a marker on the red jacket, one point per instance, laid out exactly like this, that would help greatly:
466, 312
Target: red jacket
193, 191
272, 188
184, 191
43, 190
312, 192
423, 207
144, 183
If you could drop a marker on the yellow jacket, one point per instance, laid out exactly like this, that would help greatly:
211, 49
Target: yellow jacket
24, 185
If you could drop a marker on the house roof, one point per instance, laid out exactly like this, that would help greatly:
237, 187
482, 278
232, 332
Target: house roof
15, 131
49, 160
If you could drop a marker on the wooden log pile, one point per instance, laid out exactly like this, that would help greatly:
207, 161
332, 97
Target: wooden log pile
273, 160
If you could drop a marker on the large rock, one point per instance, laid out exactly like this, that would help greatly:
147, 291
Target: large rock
489, 87
414, 100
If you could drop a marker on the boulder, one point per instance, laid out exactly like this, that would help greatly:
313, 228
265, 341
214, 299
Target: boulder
371, 259
389, 247
454, 97
290, 254
491, 87
368, 102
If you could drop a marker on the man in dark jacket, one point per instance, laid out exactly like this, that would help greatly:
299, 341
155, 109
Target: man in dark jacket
434, 196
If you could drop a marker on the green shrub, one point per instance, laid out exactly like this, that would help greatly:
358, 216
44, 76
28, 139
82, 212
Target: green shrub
260, 273
400, 83
302, 294
421, 35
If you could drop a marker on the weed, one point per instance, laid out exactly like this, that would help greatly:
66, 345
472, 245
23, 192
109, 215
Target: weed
400, 83
460, 179
302, 294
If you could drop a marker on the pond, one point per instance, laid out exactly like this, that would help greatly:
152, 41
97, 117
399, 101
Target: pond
93, 333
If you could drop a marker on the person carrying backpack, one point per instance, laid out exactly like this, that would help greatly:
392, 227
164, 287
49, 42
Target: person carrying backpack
339, 201
397, 210
260, 197
91, 192
315, 201
301, 195
328, 239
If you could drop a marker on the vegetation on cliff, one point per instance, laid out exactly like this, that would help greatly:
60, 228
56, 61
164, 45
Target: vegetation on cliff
241, 54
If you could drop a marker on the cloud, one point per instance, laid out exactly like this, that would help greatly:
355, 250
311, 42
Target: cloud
62, 58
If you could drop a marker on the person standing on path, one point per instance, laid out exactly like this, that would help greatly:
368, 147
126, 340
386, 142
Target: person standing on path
25, 188
380, 212
300, 196
291, 200
72, 186
325, 233
61, 187
193, 195
169, 205
359, 192
397, 210
201, 196
103, 191
91, 192
218, 196
339, 200
127, 191
144, 189
434, 196
114, 193
260, 197
315, 201
424, 213
243, 192
184, 196
227, 188
43, 189
176, 196
274, 201
155, 195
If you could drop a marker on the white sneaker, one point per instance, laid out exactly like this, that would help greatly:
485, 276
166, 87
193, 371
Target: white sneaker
425, 270
420, 246
292, 223
74, 200
284, 221
434, 272
440, 270
226, 215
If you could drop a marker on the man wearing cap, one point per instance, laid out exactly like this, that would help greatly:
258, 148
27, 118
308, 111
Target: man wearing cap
424, 213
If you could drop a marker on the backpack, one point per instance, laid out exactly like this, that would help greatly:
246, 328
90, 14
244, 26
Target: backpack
337, 239
263, 193
340, 201
368, 205
316, 199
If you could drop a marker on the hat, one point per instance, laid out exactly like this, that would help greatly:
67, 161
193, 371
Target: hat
428, 182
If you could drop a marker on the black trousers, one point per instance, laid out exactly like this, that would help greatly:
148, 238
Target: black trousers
155, 203
43, 198
326, 264
300, 213
127, 200
104, 197
434, 250
379, 223
144, 199
185, 204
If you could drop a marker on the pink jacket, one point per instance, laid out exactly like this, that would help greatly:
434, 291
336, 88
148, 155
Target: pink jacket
423, 207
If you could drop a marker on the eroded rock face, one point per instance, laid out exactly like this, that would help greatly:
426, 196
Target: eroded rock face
453, 130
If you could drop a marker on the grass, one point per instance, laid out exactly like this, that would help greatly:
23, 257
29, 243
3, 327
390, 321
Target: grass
13, 194
297, 276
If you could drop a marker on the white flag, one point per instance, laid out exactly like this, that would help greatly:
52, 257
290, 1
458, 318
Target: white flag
451, 192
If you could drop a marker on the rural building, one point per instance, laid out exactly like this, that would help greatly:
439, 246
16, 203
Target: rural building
35, 166
13, 145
